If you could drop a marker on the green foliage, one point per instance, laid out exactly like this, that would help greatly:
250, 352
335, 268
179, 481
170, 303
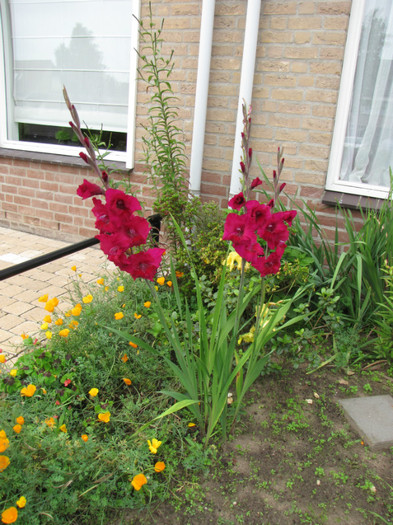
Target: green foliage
382, 345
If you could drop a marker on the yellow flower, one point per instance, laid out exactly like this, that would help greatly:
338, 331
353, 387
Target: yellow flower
50, 422
44, 326
106, 288
10, 515
63, 428
47, 319
161, 281
3, 435
84, 437
120, 288
153, 445
64, 332
24, 336
191, 425
169, 283
51, 304
147, 304
43, 390
13, 372
119, 315
43, 298
76, 311
73, 324
104, 416
4, 443
127, 381
17, 428
2, 358
138, 481
156, 288
4, 462
124, 358
20, 420
59, 322
93, 392
21, 502
28, 391
48, 334
100, 281
87, 299
159, 466
73, 268
137, 316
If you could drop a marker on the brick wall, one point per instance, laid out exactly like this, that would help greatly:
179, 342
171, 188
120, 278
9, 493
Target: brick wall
298, 68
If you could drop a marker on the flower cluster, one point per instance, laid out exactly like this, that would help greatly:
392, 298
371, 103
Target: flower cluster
10, 515
258, 223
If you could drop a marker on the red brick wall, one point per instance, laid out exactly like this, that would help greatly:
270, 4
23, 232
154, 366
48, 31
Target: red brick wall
298, 68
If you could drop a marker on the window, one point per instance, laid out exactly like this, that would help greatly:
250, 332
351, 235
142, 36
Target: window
86, 45
362, 147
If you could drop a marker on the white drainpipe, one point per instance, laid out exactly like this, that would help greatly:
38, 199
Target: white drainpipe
202, 89
246, 85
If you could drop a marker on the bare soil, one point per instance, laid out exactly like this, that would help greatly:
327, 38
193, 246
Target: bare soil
294, 459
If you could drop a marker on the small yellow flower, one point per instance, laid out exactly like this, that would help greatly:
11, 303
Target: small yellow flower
21, 502
10, 515
87, 299
147, 304
104, 416
161, 281
47, 319
100, 281
120, 288
24, 336
17, 428
106, 288
77, 310
28, 391
133, 345
64, 332
4, 462
137, 316
2, 358
63, 428
73, 324
4, 443
50, 422
43, 298
51, 304
93, 392
119, 315
44, 326
156, 288
13, 372
153, 445
59, 322
159, 466
127, 381
124, 358
73, 268
138, 481
191, 425
169, 283
20, 420
84, 437
48, 334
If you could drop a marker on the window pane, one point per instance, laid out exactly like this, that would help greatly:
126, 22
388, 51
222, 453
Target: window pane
83, 45
368, 147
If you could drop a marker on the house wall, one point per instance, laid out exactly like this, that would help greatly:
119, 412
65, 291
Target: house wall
297, 76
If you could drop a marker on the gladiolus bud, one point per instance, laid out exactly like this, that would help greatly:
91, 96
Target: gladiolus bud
84, 157
250, 153
282, 187
242, 167
274, 174
87, 141
104, 176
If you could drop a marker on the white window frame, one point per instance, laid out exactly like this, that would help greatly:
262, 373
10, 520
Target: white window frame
342, 113
127, 156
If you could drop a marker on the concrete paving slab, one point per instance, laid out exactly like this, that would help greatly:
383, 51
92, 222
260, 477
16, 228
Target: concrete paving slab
372, 418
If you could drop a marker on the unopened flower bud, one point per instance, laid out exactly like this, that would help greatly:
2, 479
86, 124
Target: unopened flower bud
87, 141
242, 167
282, 187
250, 153
274, 174
104, 176
84, 157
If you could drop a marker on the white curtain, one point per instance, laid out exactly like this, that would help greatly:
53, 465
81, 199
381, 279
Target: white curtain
368, 148
81, 44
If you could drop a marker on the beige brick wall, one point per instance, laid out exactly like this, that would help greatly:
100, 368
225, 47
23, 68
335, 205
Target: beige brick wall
298, 68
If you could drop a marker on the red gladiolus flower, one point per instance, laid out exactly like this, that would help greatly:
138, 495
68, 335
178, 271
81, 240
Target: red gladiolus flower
256, 182
120, 205
145, 264
101, 212
271, 264
275, 232
249, 252
259, 214
88, 189
135, 229
238, 230
237, 202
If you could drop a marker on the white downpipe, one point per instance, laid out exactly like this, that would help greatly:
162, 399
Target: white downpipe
202, 88
246, 85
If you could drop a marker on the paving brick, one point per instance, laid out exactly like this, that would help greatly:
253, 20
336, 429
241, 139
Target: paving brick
17, 308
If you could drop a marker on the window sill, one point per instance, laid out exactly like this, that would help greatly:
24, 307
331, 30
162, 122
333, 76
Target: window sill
354, 202
50, 158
